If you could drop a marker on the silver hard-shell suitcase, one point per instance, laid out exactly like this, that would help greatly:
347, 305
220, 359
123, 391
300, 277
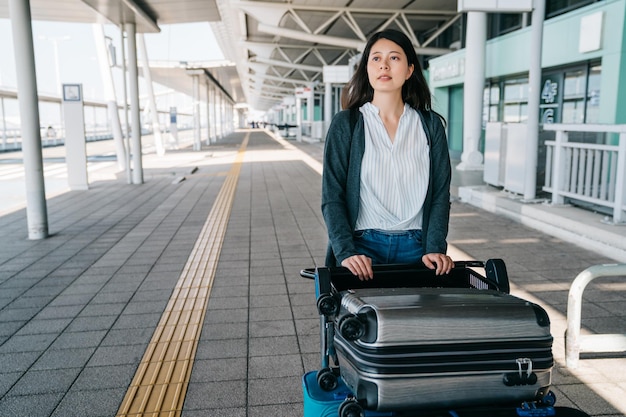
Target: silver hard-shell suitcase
410, 340
434, 348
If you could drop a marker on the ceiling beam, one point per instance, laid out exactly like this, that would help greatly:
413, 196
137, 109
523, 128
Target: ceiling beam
252, 44
336, 41
308, 37
264, 94
354, 10
275, 88
277, 63
283, 80
441, 29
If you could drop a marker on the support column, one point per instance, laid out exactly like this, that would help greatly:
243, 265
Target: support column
156, 127
129, 173
225, 116
109, 93
310, 110
216, 119
4, 124
328, 108
473, 87
311, 106
36, 208
224, 109
197, 141
135, 113
220, 114
298, 119
214, 111
534, 96
226, 128
208, 116
231, 117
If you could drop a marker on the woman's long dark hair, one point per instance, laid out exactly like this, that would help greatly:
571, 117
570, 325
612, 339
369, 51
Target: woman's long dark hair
415, 90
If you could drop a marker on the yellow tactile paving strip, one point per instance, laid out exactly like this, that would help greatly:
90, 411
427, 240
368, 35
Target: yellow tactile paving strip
161, 380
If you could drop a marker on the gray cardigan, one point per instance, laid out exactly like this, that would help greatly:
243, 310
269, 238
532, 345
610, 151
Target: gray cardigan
341, 179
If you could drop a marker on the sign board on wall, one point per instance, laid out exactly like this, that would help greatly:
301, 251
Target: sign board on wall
550, 99
447, 70
304, 92
336, 73
72, 92
590, 33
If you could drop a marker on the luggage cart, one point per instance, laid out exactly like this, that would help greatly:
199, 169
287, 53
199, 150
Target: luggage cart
326, 392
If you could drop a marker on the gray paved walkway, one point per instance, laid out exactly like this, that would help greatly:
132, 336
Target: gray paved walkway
78, 309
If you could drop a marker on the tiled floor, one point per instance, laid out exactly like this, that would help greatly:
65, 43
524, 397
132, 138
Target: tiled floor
78, 309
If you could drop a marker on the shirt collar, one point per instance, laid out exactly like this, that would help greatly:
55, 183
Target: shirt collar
372, 109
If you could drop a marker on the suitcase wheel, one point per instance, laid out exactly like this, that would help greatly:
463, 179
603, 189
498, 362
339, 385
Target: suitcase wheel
326, 379
351, 327
327, 305
549, 399
534, 410
351, 408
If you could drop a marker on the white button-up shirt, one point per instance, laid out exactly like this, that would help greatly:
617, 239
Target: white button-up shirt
394, 175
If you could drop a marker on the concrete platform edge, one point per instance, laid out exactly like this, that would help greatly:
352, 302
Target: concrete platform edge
582, 228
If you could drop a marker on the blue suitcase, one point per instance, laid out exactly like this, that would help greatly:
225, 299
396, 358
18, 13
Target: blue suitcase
320, 403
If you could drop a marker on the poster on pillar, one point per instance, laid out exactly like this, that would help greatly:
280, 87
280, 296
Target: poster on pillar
75, 143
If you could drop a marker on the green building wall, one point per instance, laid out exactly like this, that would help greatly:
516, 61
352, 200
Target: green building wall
507, 56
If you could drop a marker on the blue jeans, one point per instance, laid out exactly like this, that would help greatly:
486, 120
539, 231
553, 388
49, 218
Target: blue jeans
390, 247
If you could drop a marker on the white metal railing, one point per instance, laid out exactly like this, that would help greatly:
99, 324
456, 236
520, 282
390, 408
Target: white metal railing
587, 172
9, 139
575, 343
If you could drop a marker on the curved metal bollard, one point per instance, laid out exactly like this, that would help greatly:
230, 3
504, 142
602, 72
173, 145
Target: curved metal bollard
574, 342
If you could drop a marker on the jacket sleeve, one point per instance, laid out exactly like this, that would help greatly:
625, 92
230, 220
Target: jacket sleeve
335, 188
441, 173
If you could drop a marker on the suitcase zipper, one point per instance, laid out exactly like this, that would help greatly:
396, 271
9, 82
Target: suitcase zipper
437, 359
524, 375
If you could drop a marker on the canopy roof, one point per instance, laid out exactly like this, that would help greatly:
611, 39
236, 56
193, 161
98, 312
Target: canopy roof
274, 46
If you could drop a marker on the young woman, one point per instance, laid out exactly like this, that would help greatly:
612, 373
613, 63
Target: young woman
386, 177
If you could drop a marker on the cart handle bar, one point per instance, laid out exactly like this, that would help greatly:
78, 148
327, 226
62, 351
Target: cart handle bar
309, 273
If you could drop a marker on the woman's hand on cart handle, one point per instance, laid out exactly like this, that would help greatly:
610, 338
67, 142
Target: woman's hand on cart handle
441, 263
359, 265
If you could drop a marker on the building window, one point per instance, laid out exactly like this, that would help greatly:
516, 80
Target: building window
515, 100
578, 99
558, 7
592, 111
568, 95
502, 23
491, 103
574, 96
